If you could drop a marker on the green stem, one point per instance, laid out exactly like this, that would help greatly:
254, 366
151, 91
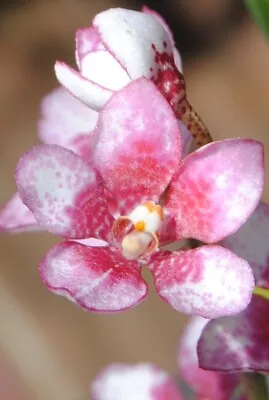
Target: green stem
255, 386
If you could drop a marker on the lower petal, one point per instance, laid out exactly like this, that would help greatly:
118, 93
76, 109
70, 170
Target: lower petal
90, 93
16, 217
138, 381
238, 343
209, 281
97, 279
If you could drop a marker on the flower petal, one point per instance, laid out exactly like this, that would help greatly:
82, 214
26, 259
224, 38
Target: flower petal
239, 343
102, 68
90, 93
186, 137
134, 382
138, 145
209, 281
97, 279
251, 243
216, 189
87, 39
134, 38
147, 10
63, 192
66, 121
206, 384
16, 217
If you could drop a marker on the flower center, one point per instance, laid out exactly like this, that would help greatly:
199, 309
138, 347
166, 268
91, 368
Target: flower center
137, 232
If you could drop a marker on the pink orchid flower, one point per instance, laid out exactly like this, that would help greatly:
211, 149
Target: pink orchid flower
241, 343
123, 45
207, 385
142, 381
135, 157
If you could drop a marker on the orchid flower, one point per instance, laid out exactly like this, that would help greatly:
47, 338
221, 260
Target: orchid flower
134, 162
209, 385
123, 45
142, 381
241, 343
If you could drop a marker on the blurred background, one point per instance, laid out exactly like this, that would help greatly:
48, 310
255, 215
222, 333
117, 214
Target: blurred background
50, 349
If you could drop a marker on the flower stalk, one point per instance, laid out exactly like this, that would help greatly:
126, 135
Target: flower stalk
255, 386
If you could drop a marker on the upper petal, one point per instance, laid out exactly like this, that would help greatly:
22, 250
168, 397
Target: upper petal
147, 10
251, 243
102, 68
209, 281
16, 217
216, 189
90, 93
95, 278
238, 343
63, 192
87, 40
66, 121
206, 384
134, 38
134, 382
137, 144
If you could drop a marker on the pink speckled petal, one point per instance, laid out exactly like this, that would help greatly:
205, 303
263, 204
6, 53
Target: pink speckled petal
63, 192
239, 343
206, 384
66, 121
216, 189
251, 243
134, 382
87, 39
138, 145
135, 39
102, 68
161, 20
90, 93
16, 217
97, 279
209, 281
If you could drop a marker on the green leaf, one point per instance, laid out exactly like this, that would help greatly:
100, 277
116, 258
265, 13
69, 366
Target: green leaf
260, 11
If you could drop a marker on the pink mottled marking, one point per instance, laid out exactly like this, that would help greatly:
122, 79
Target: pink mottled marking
216, 189
136, 136
63, 192
238, 343
96, 278
209, 281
